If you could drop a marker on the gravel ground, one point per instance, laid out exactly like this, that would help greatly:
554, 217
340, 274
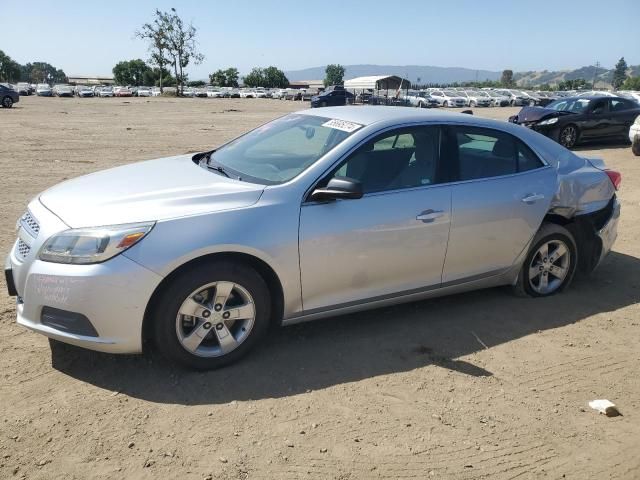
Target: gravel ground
479, 385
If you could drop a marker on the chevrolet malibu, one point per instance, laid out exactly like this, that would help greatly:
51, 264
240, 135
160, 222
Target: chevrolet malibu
315, 214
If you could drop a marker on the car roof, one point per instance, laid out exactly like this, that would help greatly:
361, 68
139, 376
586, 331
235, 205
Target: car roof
593, 97
368, 115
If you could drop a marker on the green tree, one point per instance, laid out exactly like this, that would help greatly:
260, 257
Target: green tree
196, 83
334, 75
218, 78
131, 72
232, 76
158, 78
275, 78
10, 70
619, 74
631, 83
270, 77
507, 78
255, 78
180, 42
155, 34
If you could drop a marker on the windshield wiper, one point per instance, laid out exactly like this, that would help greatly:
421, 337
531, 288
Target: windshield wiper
220, 169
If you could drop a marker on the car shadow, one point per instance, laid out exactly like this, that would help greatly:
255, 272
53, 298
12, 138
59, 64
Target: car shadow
345, 349
622, 144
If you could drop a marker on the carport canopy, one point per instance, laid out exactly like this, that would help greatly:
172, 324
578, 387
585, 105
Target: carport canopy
381, 82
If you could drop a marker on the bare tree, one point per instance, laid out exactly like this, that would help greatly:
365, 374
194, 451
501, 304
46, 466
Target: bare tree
180, 42
156, 35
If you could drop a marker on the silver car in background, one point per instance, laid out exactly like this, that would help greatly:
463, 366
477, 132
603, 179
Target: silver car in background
315, 214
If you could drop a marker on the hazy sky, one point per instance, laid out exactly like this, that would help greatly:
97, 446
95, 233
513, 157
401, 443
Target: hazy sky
88, 38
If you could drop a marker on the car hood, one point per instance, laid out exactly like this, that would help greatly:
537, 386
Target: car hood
147, 191
534, 114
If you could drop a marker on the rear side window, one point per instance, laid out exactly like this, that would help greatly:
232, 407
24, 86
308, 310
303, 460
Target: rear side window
486, 153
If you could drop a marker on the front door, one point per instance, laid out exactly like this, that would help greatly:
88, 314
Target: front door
392, 240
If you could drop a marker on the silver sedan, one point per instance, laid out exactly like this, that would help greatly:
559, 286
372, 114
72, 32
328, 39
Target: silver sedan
318, 213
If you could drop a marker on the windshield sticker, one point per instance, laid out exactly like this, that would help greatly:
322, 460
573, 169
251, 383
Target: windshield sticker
343, 125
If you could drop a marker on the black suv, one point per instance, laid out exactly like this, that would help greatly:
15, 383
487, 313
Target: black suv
332, 97
8, 96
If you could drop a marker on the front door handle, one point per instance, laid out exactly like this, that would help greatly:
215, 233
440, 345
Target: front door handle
532, 198
430, 215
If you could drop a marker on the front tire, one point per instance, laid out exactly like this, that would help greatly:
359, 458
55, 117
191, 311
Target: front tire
550, 264
211, 315
7, 102
635, 146
568, 136
472, 104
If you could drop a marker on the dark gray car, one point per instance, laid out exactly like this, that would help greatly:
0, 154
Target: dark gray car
8, 96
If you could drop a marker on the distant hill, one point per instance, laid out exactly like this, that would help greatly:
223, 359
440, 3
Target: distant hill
603, 76
430, 74
427, 74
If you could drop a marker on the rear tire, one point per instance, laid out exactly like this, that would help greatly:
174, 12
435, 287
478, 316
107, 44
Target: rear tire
216, 292
550, 263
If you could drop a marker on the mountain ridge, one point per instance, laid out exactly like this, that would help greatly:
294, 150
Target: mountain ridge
433, 74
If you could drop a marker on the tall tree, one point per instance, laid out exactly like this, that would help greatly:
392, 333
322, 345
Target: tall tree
334, 75
270, 77
10, 70
181, 44
218, 78
507, 78
155, 34
619, 74
232, 76
255, 78
131, 72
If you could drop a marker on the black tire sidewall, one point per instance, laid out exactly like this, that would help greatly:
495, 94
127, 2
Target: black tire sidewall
568, 240
4, 100
166, 310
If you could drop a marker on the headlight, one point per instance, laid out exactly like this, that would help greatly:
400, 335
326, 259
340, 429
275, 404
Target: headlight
549, 121
84, 246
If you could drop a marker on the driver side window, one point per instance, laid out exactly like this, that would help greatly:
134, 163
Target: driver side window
405, 158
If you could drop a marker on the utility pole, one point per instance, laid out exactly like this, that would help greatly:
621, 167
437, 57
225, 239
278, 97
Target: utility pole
595, 72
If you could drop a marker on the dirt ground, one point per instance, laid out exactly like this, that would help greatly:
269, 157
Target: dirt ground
479, 385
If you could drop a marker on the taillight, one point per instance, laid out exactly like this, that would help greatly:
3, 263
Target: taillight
615, 177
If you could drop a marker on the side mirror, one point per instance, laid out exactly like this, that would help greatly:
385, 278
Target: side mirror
338, 187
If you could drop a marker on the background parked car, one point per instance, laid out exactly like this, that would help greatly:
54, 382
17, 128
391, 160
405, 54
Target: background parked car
62, 90
43, 90
634, 136
448, 98
84, 92
122, 92
106, 92
420, 99
332, 98
8, 96
23, 88
575, 119
144, 91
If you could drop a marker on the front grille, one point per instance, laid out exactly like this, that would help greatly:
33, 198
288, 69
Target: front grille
30, 224
23, 249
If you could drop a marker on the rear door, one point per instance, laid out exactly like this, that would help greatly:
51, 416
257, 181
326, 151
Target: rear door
623, 113
501, 193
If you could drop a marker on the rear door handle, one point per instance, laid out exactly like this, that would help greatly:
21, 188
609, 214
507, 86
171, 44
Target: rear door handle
430, 215
532, 198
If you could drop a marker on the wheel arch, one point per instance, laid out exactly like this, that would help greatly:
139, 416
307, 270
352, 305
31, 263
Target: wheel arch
264, 270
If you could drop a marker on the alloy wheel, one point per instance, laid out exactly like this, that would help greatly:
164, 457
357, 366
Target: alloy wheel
549, 267
215, 319
568, 136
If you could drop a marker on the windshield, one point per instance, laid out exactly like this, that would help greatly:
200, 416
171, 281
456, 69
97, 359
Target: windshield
451, 93
575, 105
282, 149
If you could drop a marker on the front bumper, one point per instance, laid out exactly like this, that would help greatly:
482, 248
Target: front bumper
112, 295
